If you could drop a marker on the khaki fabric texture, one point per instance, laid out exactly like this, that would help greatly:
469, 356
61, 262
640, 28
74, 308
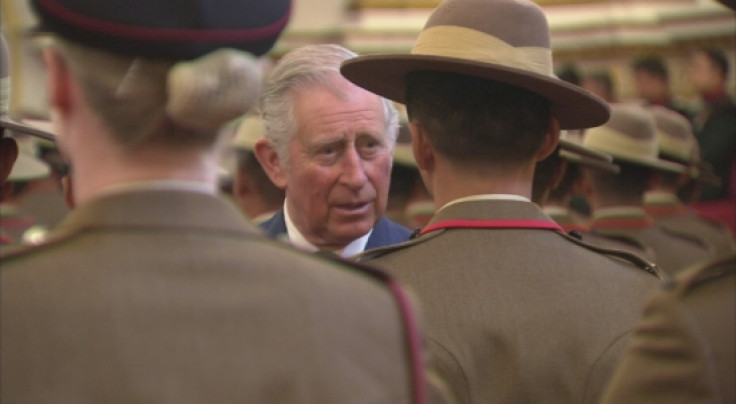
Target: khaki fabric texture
683, 350
518, 315
715, 235
673, 252
171, 297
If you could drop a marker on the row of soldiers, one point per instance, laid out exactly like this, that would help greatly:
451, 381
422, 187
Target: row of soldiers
155, 288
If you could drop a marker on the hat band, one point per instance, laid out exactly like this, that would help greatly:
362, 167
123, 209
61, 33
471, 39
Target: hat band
472, 45
618, 144
676, 148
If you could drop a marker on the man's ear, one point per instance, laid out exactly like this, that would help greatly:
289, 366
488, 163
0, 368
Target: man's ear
551, 139
422, 149
559, 173
58, 83
266, 155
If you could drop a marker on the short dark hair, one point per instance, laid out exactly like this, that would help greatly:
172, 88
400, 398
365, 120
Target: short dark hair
631, 182
718, 59
248, 164
564, 188
652, 64
570, 73
603, 76
475, 122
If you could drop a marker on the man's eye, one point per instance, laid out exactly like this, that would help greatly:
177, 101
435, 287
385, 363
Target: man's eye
327, 150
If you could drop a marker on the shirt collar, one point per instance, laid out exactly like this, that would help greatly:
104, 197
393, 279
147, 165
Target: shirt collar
660, 197
487, 197
159, 185
618, 212
298, 240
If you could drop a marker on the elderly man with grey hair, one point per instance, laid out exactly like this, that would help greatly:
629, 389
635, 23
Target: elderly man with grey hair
329, 144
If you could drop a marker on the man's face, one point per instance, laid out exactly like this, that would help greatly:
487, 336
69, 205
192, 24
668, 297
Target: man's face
705, 76
649, 86
339, 165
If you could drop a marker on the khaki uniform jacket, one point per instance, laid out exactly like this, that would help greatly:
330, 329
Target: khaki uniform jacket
577, 228
683, 350
518, 315
674, 252
677, 218
171, 297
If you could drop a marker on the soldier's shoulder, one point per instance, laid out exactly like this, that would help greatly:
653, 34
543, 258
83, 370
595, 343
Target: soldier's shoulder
624, 255
703, 274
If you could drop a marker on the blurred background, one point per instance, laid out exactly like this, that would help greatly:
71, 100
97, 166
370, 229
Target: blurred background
589, 35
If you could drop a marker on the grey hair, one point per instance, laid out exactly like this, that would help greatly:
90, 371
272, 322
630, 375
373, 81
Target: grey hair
311, 65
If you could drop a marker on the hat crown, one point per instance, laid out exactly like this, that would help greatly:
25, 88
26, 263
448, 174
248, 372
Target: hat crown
520, 23
674, 134
630, 135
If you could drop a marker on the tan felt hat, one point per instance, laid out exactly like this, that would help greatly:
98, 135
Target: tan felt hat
630, 136
248, 132
578, 154
675, 136
507, 41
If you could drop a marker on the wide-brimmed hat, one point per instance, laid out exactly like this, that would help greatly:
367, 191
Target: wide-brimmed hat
576, 153
167, 29
247, 133
501, 40
630, 136
675, 136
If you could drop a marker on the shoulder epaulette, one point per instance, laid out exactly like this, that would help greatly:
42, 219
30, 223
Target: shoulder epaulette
628, 256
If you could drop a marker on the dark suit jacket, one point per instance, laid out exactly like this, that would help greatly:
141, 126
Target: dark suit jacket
385, 232
518, 315
682, 351
172, 297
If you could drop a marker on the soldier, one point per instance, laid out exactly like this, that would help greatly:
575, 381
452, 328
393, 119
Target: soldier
155, 289
253, 191
682, 351
516, 311
618, 199
677, 143
559, 177
329, 144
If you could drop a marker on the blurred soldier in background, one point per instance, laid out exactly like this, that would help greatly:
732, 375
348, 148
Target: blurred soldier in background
677, 143
252, 190
618, 199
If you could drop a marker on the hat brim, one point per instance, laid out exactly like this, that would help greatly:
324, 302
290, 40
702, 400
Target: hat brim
653, 163
581, 155
385, 75
28, 128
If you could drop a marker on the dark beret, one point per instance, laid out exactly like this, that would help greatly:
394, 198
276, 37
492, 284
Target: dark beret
169, 29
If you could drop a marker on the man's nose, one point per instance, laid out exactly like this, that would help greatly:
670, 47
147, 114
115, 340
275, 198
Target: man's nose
353, 172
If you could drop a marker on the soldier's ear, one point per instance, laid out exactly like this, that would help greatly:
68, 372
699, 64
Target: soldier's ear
270, 161
551, 139
58, 77
421, 147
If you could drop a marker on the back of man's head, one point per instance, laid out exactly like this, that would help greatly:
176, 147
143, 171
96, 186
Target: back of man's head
653, 65
476, 122
625, 188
